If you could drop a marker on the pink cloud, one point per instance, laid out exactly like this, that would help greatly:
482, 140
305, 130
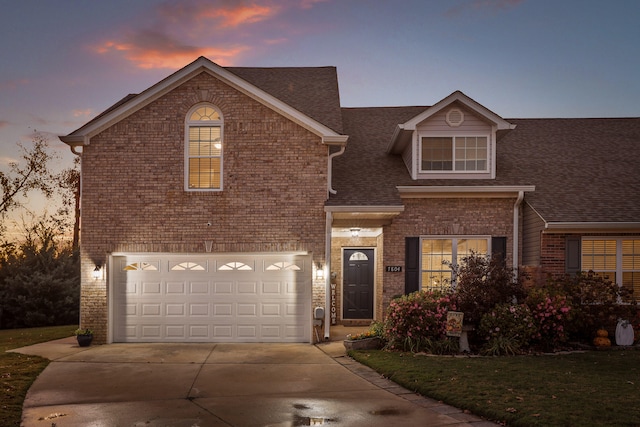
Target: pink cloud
82, 113
4, 124
176, 32
150, 50
13, 84
180, 31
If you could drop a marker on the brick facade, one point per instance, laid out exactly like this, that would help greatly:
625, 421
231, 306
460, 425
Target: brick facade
133, 199
439, 217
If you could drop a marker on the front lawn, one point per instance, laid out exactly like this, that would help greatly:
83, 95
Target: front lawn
597, 388
18, 371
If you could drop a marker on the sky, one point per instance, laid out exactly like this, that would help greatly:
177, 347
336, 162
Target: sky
62, 62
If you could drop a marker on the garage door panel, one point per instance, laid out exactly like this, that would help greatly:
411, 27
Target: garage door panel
175, 310
176, 288
247, 288
223, 288
222, 310
199, 309
151, 288
223, 332
271, 310
271, 288
199, 288
199, 331
151, 331
244, 310
205, 298
151, 309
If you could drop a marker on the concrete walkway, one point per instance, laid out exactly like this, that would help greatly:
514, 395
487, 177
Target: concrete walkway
191, 385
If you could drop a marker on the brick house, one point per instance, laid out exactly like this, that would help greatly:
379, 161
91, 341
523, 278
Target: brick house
227, 203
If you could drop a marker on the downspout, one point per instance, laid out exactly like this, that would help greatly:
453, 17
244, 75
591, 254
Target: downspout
516, 229
330, 167
327, 275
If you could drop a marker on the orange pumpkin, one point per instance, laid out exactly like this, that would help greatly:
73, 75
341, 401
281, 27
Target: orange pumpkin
602, 333
602, 341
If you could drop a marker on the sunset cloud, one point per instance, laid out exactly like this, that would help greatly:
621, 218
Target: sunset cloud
177, 32
4, 124
13, 84
82, 113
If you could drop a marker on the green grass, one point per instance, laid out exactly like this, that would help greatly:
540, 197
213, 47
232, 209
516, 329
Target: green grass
598, 388
19, 371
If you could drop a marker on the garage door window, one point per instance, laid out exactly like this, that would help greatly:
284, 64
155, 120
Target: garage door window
192, 266
283, 266
142, 266
235, 266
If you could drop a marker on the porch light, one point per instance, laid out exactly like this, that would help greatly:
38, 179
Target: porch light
96, 273
319, 271
355, 232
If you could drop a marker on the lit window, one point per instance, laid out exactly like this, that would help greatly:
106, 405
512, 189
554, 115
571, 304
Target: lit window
437, 254
235, 266
454, 153
284, 265
617, 259
141, 266
203, 163
188, 266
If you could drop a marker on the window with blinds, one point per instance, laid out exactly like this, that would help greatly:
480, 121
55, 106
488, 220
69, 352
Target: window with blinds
203, 168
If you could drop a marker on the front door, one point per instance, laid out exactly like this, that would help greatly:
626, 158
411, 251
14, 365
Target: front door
357, 288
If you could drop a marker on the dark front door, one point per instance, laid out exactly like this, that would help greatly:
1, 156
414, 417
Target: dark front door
357, 288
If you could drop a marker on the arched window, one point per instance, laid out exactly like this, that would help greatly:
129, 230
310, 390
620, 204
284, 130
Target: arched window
203, 148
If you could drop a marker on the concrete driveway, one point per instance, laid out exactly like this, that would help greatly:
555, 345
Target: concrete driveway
203, 385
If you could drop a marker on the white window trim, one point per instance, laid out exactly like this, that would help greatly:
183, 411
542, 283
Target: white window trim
187, 124
454, 249
453, 136
488, 173
618, 271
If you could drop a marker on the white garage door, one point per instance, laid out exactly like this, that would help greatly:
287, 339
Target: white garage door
219, 298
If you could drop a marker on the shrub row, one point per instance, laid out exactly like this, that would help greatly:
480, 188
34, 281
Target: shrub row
505, 316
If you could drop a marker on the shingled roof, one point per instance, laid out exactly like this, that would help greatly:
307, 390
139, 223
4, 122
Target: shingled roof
583, 170
310, 90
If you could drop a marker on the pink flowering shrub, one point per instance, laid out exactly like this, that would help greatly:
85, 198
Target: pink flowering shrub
414, 322
506, 329
552, 316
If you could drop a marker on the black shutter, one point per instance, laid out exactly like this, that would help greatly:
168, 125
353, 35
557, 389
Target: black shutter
572, 252
499, 249
411, 264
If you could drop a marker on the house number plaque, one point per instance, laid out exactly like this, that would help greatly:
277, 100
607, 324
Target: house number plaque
394, 269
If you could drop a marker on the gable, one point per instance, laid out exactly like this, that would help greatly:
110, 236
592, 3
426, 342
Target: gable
129, 105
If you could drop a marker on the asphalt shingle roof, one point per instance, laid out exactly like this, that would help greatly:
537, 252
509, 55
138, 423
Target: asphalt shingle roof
310, 90
584, 170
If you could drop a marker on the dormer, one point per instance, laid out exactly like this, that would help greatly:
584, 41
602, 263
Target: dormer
453, 139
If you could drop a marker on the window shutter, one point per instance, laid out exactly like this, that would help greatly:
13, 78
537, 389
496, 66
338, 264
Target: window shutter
573, 249
499, 249
411, 264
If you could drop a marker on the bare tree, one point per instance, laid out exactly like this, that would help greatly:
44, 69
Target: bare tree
69, 188
30, 174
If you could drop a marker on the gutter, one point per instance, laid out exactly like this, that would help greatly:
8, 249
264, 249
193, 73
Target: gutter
327, 275
330, 169
516, 229
559, 226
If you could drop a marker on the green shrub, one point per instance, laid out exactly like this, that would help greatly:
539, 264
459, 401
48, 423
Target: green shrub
482, 283
597, 302
552, 314
507, 329
414, 322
